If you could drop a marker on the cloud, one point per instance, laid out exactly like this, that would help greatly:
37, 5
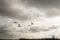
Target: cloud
53, 12
50, 7
42, 3
21, 9
8, 28
13, 9
26, 10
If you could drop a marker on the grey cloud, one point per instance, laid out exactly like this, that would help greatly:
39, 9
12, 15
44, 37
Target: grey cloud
2, 29
45, 5
53, 12
34, 29
42, 3
7, 10
6, 28
4, 32
18, 13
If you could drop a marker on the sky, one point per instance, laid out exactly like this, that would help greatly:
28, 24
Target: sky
20, 8
41, 12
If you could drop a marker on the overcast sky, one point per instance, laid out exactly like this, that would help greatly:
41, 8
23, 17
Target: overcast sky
24, 10
21, 9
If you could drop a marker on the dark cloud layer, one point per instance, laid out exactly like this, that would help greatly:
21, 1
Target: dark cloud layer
51, 7
7, 10
42, 3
